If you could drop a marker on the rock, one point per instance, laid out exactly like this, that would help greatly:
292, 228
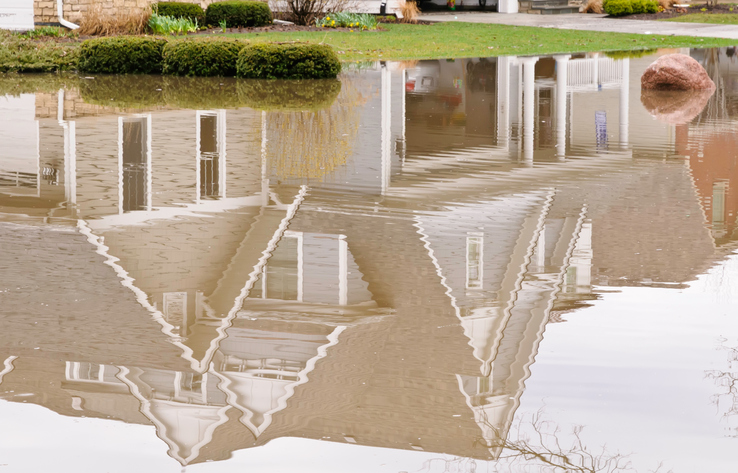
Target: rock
676, 107
676, 72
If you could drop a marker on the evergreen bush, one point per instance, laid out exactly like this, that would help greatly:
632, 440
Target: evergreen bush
288, 61
651, 6
203, 58
618, 7
237, 13
121, 55
190, 11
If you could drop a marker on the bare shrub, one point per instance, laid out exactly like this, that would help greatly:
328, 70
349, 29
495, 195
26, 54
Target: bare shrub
593, 6
305, 12
409, 10
97, 22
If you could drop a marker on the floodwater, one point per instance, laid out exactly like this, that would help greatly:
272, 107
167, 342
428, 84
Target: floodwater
471, 265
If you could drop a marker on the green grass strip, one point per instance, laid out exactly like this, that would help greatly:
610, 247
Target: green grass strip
711, 18
456, 40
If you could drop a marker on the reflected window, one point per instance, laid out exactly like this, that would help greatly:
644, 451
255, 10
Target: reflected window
175, 308
280, 279
211, 154
719, 192
91, 372
209, 185
474, 265
134, 163
191, 382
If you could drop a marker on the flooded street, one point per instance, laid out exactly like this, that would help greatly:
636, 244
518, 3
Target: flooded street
472, 265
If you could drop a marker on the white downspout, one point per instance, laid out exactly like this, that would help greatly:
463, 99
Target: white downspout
60, 10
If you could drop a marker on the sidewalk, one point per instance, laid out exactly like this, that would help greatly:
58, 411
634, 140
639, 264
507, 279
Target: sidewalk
589, 22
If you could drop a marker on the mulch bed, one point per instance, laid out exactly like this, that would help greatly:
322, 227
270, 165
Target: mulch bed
676, 12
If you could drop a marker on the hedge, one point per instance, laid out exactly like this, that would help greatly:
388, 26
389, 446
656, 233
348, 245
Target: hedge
191, 11
238, 13
147, 92
121, 55
618, 7
201, 58
630, 7
287, 61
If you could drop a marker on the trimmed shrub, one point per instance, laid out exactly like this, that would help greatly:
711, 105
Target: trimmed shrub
121, 55
202, 58
618, 7
651, 6
190, 11
237, 13
288, 61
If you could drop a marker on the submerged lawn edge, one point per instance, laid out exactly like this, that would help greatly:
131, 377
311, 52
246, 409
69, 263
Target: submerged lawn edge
398, 42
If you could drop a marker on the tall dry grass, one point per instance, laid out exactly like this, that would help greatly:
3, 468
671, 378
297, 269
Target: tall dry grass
96, 22
593, 6
409, 10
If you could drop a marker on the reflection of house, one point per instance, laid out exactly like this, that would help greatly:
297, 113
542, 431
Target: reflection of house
391, 299
713, 160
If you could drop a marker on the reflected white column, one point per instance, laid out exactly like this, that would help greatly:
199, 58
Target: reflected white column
624, 101
386, 127
264, 175
503, 102
342, 270
404, 118
529, 79
222, 171
70, 153
562, 80
596, 69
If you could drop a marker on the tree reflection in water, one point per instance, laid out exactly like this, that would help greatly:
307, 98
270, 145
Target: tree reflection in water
726, 399
538, 445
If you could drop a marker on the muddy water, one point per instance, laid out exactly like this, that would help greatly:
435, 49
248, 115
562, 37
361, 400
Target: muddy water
473, 265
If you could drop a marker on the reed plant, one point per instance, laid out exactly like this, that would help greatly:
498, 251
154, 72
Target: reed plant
97, 22
360, 21
47, 32
409, 10
168, 25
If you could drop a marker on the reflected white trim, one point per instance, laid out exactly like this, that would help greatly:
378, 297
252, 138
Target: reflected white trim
162, 429
7, 366
227, 385
253, 277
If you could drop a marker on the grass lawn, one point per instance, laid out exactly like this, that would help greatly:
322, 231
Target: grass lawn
397, 42
713, 18
453, 40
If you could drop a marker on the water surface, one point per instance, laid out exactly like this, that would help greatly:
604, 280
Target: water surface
498, 264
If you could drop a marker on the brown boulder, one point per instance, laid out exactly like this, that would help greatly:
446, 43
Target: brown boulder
676, 72
675, 107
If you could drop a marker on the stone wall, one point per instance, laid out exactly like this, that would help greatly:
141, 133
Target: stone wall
45, 11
